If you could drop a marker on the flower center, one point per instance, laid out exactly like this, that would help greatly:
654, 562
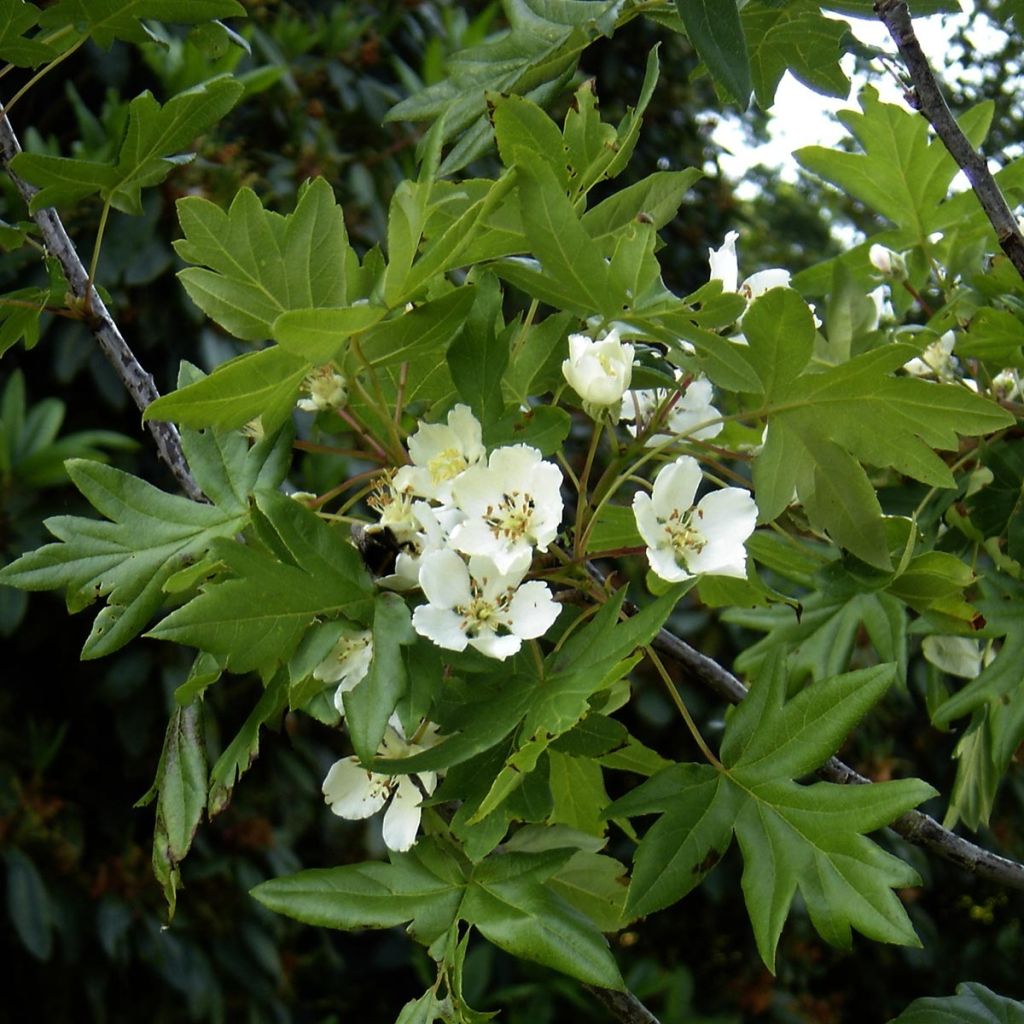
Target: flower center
684, 537
446, 465
483, 614
513, 517
610, 366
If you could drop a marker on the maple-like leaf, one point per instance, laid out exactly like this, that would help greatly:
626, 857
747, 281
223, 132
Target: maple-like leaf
792, 836
148, 536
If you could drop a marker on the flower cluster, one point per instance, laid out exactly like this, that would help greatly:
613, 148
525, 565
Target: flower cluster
467, 526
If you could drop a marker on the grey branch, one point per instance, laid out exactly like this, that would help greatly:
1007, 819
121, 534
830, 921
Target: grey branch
930, 101
917, 828
624, 1005
137, 381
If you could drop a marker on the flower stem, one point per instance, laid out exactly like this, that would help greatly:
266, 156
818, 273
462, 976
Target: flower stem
583, 501
682, 708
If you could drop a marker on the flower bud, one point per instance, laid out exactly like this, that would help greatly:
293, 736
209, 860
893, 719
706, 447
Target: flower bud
887, 262
599, 371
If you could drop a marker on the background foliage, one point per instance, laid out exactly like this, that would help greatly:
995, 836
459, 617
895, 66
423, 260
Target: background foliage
79, 741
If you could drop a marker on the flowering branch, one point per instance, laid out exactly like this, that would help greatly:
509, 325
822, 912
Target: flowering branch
136, 380
928, 98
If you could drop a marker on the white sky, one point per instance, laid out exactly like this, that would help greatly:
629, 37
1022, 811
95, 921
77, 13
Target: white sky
802, 117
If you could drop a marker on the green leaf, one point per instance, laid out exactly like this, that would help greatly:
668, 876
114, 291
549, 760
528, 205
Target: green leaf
16, 18
479, 355
716, 31
145, 158
821, 640
181, 780
424, 886
573, 274
319, 335
577, 788
657, 198
528, 920
504, 898
369, 706
261, 264
792, 837
797, 37
544, 427
255, 385
181, 796
902, 173
824, 423
972, 1004
255, 618
150, 535
107, 20
526, 135
28, 904
428, 328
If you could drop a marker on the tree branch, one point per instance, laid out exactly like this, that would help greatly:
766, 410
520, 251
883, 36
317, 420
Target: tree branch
135, 379
930, 101
919, 829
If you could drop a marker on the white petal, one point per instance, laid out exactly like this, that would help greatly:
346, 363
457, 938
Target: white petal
467, 429
675, 486
441, 625
646, 521
533, 610
723, 262
663, 563
430, 440
495, 646
764, 280
402, 818
445, 579
352, 791
726, 514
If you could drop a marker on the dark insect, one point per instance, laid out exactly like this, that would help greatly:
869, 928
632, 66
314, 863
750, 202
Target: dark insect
379, 547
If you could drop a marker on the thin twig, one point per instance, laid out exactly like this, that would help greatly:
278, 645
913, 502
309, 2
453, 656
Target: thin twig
929, 100
624, 1005
136, 380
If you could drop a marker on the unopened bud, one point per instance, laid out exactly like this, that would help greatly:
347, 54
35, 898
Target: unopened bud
889, 263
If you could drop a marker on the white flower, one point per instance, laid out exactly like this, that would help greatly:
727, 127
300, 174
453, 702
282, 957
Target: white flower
890, 264
683, 541
1006, 385
440, 453
599, 371
348, 664
512, 505
936, 360
355, 793
479, 606
725, 268
683, 420
327, 390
